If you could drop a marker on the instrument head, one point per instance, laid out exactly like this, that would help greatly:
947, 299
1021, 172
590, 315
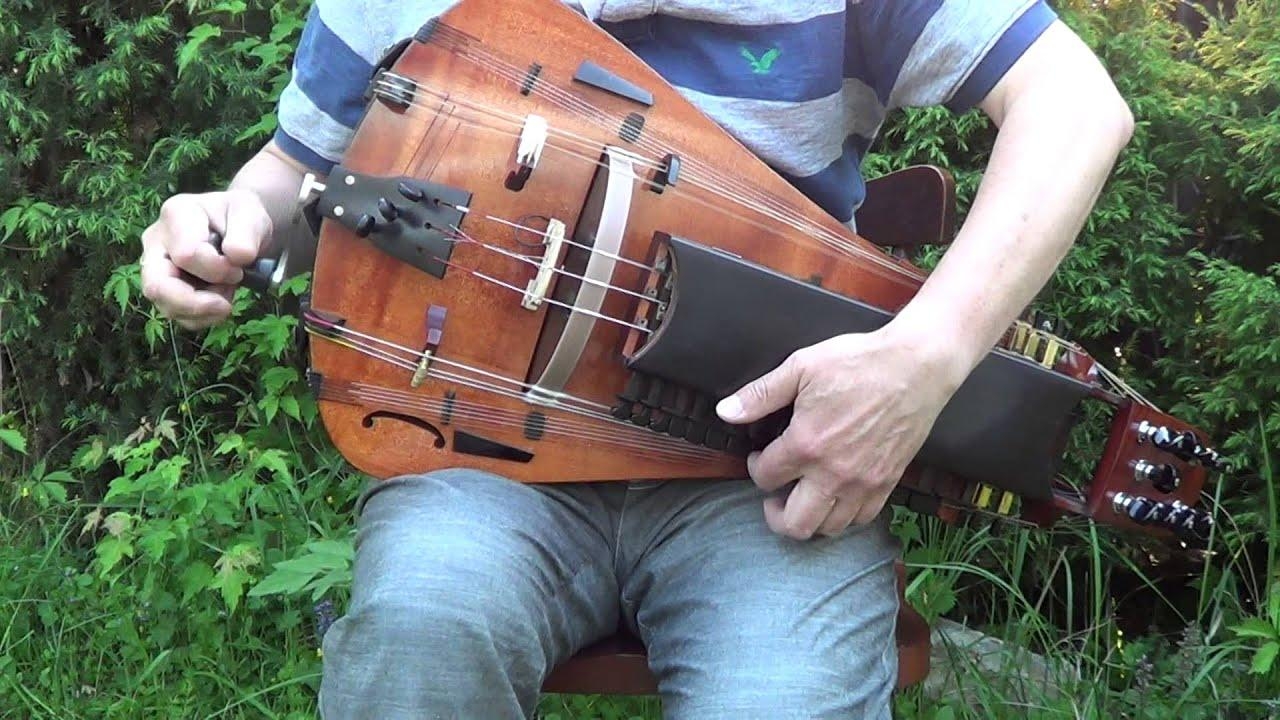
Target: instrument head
1152, 473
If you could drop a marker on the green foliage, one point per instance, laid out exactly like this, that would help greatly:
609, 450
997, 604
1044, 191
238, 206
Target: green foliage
174, 525
1174, 285
157, 475
12, 438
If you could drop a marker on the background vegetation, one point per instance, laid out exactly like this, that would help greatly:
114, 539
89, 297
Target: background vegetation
175, 529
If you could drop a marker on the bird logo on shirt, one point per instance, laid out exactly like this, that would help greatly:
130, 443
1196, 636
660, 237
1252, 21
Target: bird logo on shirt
762, 64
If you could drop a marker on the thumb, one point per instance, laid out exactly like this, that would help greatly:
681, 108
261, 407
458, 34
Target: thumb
763, 396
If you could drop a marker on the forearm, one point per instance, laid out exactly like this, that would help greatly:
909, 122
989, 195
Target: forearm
1048, 166
276, 178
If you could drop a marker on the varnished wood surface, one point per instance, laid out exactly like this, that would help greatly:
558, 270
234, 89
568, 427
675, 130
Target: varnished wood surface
468, 140
463, 132
891, 217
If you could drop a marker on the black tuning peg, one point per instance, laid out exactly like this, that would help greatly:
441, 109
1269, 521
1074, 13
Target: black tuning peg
1184, 445
410, 192
1052, 324
1181, 444
1210, 458
1187, 522
1136, 507
387, 209
365, 224
1202, 525
1162, 477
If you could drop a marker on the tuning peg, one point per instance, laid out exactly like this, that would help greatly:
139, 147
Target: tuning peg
1184, 445
1202, 525
1187, 522
1135, 507
388, 210
1162, 477
1210, 458
365, 225
1178, 515
410, 192
1052, 324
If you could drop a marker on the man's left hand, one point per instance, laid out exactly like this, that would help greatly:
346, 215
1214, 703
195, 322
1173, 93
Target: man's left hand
864, 405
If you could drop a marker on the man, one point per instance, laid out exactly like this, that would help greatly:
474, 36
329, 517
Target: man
468, 588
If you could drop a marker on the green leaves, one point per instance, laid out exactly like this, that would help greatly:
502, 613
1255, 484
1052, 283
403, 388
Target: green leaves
195, 39
232, 573
1256, 627
122, 534
14, 440
32, 217
320, 567
1265, 630
279, 384
1265, 658
123, 284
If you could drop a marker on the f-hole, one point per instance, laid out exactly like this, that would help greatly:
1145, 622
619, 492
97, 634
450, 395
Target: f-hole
419, 423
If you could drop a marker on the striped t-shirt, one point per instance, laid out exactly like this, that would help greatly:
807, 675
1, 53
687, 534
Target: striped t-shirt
805, 84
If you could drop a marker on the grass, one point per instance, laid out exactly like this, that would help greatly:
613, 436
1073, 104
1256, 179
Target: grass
1128, 631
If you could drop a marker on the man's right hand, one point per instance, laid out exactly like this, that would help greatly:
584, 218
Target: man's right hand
178, 241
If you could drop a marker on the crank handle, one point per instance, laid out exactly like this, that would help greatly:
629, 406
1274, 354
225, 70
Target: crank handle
264, 276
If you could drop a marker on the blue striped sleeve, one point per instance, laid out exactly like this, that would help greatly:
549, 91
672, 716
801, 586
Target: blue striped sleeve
324, 100
1006, 51
299, 151
942, 52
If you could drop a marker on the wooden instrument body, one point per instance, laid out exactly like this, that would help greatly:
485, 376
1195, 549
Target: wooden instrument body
478, 75
458, 143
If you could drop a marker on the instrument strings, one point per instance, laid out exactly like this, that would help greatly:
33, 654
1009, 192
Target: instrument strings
882, 264
696, 174
460, 237
537, 263
463, 45
1109, 377
592, 250
617, 432
493, 416
1112, 380
694, 171
367, 344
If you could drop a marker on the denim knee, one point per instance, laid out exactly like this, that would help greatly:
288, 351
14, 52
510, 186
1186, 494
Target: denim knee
444, 617
442, 567
467, 588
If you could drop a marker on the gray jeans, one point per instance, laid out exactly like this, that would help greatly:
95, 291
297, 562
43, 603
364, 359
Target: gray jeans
469, 589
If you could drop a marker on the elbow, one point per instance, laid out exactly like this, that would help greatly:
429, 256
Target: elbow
1120, 120
1114, 122
1109, 124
